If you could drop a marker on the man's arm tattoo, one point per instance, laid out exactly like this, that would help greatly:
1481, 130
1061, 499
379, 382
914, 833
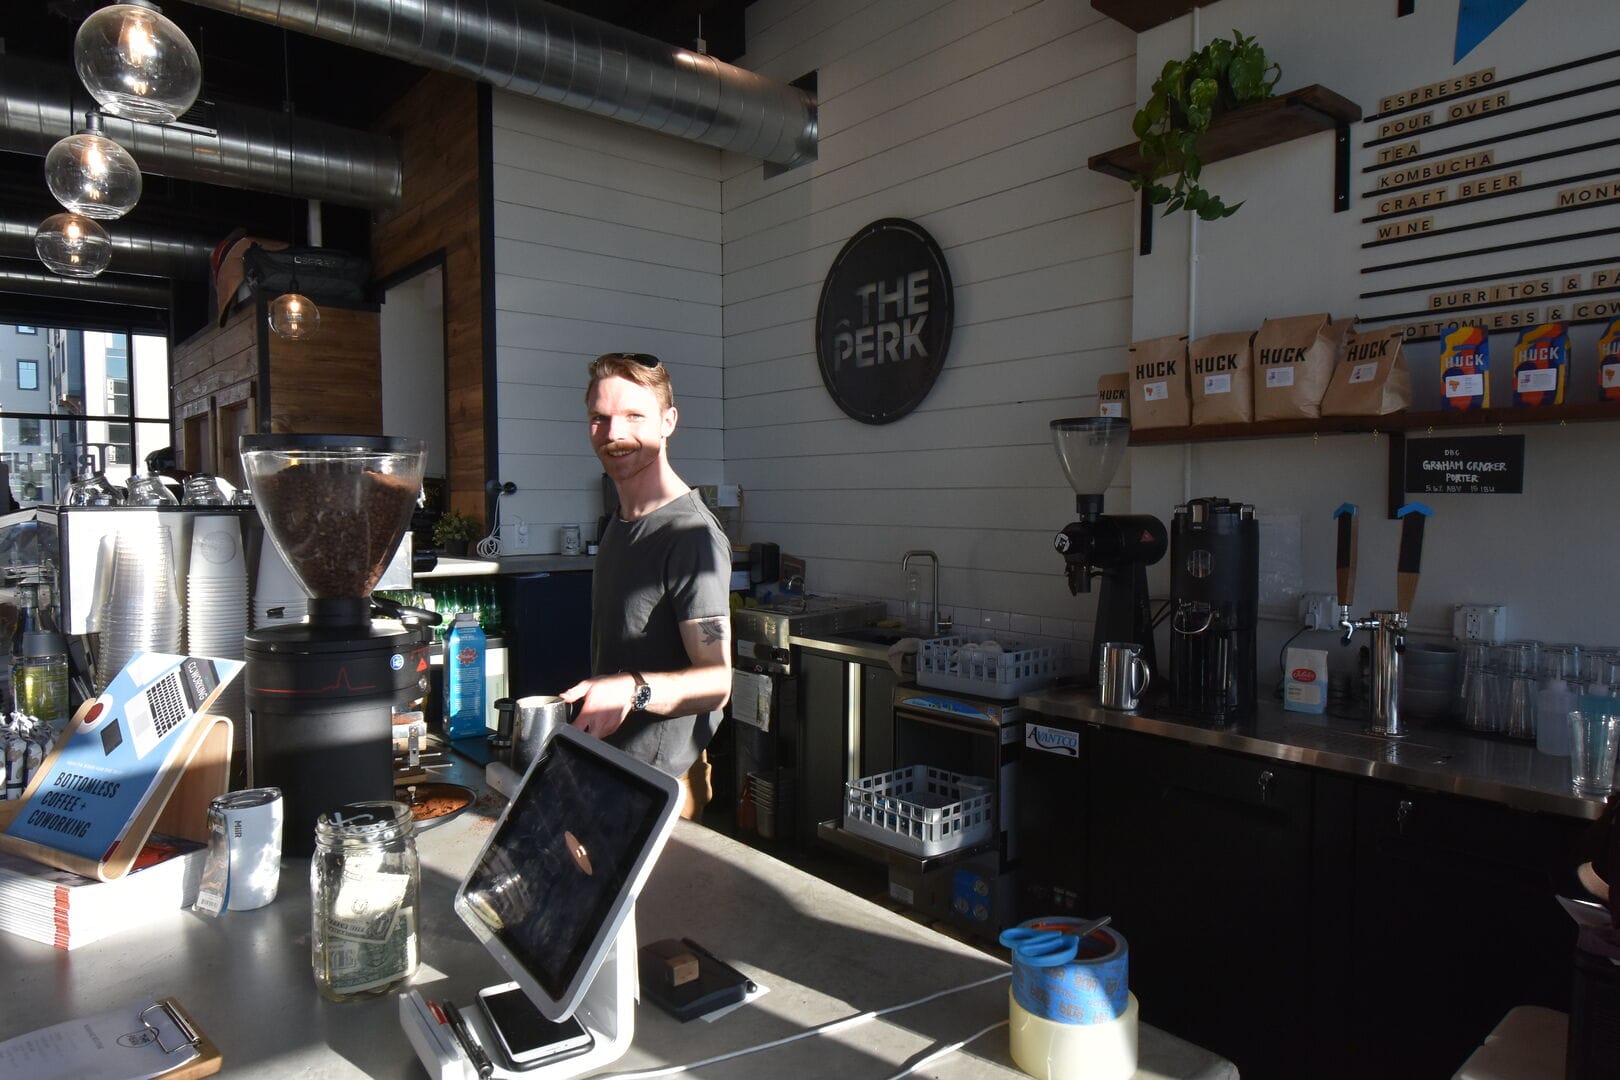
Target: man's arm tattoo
713, 630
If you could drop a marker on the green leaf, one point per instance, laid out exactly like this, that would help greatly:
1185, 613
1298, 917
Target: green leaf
1228, 211
1141, 124
1157, 193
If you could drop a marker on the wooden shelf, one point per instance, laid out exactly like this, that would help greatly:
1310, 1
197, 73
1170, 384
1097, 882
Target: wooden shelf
1278, 119
1401, 422
1140, 15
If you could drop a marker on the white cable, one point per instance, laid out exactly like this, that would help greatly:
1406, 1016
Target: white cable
825, 1029
490, 546
946, 1050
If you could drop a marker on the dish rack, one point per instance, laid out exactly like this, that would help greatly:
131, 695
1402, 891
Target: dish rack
920, 810
954, 663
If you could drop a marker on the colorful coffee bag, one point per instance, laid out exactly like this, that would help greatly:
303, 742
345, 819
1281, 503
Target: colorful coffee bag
1221, 371
1159, 383
1114, 394
1293, 364
1540, 365
1609, 362
1372, 379
1465, 369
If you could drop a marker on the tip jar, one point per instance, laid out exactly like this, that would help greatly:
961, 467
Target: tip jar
364, 883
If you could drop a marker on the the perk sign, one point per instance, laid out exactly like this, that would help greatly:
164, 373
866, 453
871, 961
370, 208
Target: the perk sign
883, 325
1470, 465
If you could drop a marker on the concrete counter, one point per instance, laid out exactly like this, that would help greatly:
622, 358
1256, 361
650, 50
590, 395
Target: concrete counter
823, 954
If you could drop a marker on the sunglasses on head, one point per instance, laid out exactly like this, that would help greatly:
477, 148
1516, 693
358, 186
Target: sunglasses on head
646, 360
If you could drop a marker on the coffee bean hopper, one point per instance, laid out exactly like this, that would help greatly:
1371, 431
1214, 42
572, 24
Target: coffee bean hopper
320, 694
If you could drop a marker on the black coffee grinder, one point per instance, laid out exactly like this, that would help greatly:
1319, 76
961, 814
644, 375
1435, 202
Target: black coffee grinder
1118, 548
1214, 609
320, 694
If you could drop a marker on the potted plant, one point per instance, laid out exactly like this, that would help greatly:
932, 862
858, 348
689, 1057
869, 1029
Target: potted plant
455, 530
1186, 96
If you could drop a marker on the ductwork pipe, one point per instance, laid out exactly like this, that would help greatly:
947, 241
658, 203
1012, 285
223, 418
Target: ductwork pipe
247, 148
134, 251
543, 51
19, 279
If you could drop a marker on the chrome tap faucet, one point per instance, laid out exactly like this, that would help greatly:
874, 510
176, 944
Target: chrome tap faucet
905, 564
1388, 627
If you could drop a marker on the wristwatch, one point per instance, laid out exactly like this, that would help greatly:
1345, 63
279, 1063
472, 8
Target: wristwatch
643, 695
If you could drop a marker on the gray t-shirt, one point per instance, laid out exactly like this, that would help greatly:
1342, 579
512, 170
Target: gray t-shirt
651, 575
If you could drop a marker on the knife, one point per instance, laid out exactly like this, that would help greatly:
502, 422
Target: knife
1412, 516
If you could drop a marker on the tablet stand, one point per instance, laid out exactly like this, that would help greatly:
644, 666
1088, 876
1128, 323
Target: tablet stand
608, 1012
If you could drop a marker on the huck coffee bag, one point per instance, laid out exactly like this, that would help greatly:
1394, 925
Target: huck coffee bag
1372, 379
1609, 362
1540, 365
1465, 369
1114, 394
1293, 364
1221, 372
1159, 383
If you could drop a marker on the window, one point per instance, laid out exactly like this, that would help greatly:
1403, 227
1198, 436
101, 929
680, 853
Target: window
28, 374
27, 329
28, 432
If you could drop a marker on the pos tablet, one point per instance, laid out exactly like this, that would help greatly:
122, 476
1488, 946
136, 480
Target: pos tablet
559, 874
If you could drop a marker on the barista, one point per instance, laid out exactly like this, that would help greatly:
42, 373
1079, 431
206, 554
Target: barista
660, 616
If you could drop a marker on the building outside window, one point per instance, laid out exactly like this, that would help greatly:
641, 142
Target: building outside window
27, 329
27, 375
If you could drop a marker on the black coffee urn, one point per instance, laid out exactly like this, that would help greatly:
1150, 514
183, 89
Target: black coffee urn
1214, 608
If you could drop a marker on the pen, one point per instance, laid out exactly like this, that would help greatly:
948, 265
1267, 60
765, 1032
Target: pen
480, 1060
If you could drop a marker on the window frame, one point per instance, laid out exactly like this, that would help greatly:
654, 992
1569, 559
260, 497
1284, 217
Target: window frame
33, 364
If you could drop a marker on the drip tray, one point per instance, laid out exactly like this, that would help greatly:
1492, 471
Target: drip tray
1403, 751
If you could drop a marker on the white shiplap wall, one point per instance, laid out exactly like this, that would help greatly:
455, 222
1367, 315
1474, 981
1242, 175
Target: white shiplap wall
607, 238
975, 119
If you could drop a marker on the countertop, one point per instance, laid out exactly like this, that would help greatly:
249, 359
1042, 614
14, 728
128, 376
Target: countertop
1438, 759
471, 566
823, 954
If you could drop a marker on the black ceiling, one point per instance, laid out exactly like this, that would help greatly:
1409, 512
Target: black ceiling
248, 62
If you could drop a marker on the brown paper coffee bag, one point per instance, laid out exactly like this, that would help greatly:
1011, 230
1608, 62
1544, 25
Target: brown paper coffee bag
1159, 383
1221, 372
1294, 360
1114, 394
1372, 379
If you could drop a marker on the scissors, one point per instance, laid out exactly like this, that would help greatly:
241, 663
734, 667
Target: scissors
1050, 943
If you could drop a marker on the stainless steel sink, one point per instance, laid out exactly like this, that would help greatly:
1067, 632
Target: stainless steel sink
871, 635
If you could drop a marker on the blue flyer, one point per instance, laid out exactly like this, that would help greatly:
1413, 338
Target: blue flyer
112, 757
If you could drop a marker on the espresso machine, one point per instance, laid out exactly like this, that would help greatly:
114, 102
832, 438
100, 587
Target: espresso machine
1214, 609
1118, 548
321, 694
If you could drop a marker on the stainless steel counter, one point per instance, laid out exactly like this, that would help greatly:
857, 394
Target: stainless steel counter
458, 566
1437, 759
860, 651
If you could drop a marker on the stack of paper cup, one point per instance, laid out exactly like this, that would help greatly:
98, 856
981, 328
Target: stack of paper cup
277, 596
143, 611
217, 606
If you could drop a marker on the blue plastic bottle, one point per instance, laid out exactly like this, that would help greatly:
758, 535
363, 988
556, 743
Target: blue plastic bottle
464, 678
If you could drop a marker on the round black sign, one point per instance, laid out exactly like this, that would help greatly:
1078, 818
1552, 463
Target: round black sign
884, 322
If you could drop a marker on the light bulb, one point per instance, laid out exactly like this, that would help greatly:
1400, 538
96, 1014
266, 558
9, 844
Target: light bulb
92, 175
137, 63
294, 316
73, 245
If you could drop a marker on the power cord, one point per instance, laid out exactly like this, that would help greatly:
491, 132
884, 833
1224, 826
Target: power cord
1282, 652
490, 546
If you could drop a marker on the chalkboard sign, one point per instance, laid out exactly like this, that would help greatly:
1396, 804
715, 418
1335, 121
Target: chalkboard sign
883, 325
1471, 465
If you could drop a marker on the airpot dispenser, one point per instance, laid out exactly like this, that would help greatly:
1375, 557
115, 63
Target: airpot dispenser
1118, 548
320, 694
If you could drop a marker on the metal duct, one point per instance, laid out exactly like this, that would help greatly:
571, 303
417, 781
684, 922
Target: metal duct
134, 252
17, 279
535, 48
247, 148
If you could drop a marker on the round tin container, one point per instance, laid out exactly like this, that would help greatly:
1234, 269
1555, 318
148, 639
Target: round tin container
251, 820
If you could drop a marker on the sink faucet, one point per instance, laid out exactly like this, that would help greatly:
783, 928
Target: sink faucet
905, 564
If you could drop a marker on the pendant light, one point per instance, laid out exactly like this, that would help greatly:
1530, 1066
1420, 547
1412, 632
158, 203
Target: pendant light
73, 245
92, 175
293, 315
137, 63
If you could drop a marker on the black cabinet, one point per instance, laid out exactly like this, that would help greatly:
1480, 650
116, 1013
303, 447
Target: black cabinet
823, 712
1455, 924
877, 718
1203, 858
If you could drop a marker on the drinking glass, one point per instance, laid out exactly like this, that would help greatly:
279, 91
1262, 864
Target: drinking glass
1594, 740
200, 489
1519, 660
1482, 710
94, 490
1475, 658
1557, 695
149, 491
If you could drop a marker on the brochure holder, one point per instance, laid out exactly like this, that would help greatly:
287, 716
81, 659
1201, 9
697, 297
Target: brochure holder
143, 756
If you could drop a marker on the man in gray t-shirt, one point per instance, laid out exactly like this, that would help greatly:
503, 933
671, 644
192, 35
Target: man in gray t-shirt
660, 622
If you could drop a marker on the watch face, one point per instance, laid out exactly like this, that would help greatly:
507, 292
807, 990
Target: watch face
643, 695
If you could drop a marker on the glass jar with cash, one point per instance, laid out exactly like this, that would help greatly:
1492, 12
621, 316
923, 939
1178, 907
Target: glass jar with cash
364, 882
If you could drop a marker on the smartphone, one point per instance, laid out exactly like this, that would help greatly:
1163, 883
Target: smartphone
527, 1038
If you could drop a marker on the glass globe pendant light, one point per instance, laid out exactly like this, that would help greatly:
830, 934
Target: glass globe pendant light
92, 175
73, 245
137, 63
293, 315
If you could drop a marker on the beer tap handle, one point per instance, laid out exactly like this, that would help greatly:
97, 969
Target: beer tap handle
1412, 517
1345, 564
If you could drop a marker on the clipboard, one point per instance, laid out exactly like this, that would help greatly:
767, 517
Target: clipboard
120, 1044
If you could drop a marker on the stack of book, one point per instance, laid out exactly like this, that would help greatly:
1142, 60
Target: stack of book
65, 910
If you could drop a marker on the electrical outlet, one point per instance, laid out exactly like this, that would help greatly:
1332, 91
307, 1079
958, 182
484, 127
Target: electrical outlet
1318, 611
1479, 622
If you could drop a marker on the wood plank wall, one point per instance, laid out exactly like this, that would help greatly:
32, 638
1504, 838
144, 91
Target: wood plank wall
974, 120
437, 125
328, 383
607, 238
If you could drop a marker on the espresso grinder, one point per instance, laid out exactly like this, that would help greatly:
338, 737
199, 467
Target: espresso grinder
1214, 609
321, 694
1118, 548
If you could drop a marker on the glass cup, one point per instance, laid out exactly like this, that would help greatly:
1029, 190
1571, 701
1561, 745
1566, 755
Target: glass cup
200, 489
149, 491
1519, 667
1594, 740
